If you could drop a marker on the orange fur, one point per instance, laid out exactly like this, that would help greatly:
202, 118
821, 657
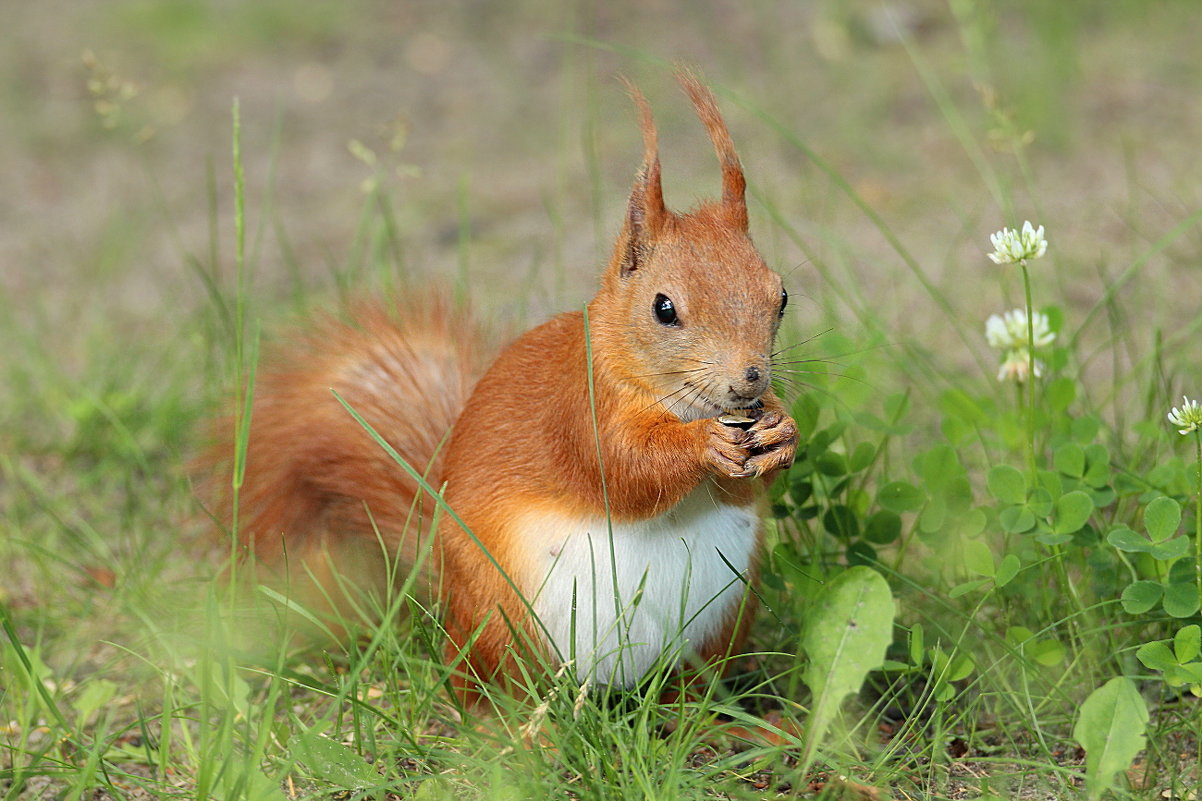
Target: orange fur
524, 444
319, 493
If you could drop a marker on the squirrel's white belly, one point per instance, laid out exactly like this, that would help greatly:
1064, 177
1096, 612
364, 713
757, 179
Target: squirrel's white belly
658, 588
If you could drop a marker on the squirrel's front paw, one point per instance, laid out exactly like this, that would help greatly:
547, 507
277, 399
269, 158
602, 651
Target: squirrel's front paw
771, 444
725, 449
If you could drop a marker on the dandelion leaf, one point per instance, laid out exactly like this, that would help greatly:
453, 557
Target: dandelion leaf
847, 631
333, 762
1110, 727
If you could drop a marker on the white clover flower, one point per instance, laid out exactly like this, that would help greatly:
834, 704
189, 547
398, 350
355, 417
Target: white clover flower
1010, 330
997, 333
1017, 364
1011, 246
1188, 418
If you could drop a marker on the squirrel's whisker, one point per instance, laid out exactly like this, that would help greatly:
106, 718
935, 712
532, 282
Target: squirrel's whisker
805, 341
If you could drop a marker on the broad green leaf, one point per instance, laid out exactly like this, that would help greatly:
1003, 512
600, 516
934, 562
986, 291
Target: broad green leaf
841, 521
1102, 496
1007, 570
805, 414
934, 515
961, 668
978, 558
1007, 484
860, 553
967, 587
900, 496
1016, 519
832, 432
862, 456
1017, 635
806, 579
332, 761
1181, 598
1128, 485
800, 491
1170, 549
1050, 538
802, 468
1072, 511
1040, 502
1127, 540
1140, 596
1097, 465
1167, 474
958, 493
1161, 518
1178, 675
1182, 572
1070, 459
939, 466
831, 464
1188, 643
1087, 537
883, 527
973, 523
806, 513
1053, 482
777, 490
1110, 727
1156, 656
846, 634
1085, 429
818, 443
1048, 652
947, 668
1060, 393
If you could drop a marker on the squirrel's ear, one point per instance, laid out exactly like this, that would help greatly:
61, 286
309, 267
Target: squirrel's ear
734, 185
645, 212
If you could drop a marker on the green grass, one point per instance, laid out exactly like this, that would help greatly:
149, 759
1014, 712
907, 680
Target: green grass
130, 669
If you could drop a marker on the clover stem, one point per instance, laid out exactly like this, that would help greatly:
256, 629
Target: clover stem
1198, 515
1030, 370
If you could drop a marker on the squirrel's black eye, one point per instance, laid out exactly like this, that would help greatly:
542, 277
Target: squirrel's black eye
665, 310
784, 301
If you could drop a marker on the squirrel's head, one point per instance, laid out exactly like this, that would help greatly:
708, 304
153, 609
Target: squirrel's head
691, 303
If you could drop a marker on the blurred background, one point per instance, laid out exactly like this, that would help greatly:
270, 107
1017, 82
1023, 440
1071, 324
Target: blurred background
491, 146
503, 139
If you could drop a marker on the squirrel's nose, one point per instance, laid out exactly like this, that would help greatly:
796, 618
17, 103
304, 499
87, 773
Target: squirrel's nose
752, 375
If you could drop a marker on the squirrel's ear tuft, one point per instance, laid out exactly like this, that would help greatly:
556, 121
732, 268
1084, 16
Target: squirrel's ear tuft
734, 185
645, 212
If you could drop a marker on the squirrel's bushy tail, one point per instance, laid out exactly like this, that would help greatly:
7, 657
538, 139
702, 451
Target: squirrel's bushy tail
320, 495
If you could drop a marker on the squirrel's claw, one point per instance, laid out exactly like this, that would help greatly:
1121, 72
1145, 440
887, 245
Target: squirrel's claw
771, 443
772, 429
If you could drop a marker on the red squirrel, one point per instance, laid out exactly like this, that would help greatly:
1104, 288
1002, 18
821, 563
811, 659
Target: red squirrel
614, 523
